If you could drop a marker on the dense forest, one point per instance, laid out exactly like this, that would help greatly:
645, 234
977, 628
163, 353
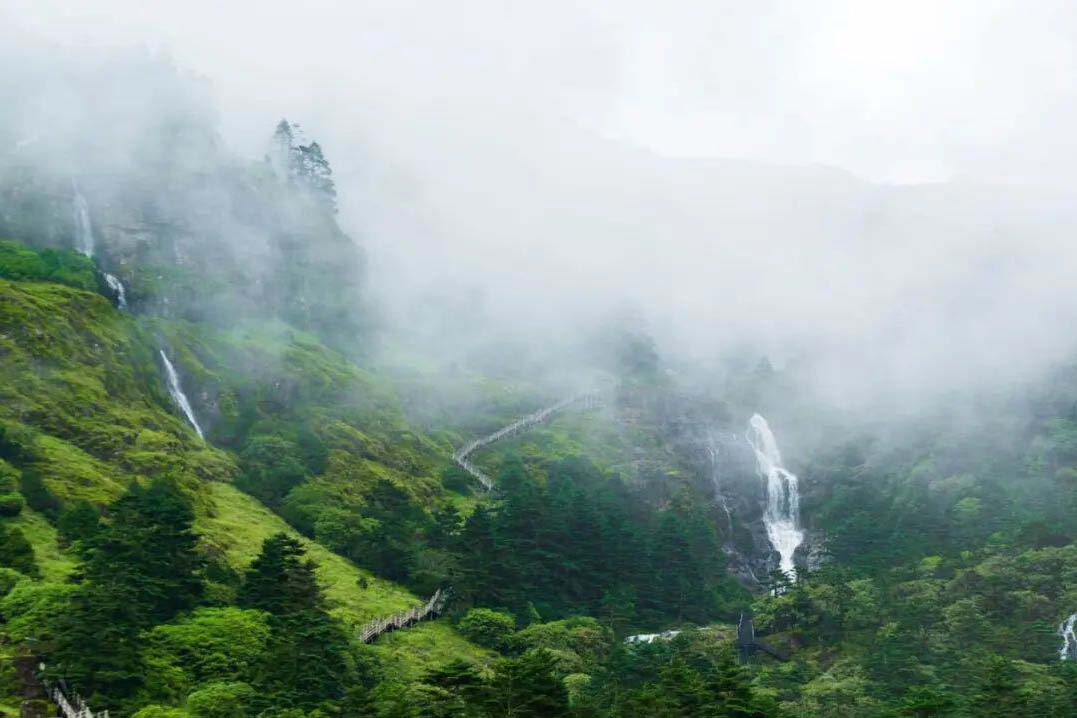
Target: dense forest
220, 463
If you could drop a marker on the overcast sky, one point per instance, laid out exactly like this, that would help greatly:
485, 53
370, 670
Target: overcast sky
897, 91
559, 159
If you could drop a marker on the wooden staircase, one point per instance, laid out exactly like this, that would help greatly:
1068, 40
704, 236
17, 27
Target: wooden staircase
462, 456
431, 609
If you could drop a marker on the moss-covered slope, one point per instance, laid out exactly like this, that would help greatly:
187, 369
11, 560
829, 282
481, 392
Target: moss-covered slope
84, 411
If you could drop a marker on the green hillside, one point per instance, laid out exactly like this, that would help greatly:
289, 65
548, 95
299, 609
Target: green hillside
84, 413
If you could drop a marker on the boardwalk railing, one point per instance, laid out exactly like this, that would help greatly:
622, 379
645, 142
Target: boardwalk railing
432, 608
70, 706
462, 456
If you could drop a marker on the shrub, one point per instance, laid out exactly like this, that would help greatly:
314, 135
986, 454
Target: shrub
221, 644
37, 495
16, 443
456, 479
488, 628
11, 504
221, 700
34, 609
63, 266
9, 577
17, 553
78, 521
9, 475
581, 635
161, 712
270, 468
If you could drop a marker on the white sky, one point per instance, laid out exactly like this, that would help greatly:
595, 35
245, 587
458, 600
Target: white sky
552, 158
897, 91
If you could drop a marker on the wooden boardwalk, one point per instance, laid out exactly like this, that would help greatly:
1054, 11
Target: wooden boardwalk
431, 609
462, 456
68, 704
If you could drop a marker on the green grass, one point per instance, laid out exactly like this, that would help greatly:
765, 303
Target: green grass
239, 523
82, 379
63, 266
594, 434
56, 565
410, 653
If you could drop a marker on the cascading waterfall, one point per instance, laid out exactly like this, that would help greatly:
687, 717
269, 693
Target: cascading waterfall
116, 285
86, 244
1068, 652
178, 396
782, 516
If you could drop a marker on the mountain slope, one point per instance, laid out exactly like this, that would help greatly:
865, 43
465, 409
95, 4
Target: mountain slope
84, 411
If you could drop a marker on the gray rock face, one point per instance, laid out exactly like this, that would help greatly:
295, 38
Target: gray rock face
35, 708
814, 550
36, 209
725, 456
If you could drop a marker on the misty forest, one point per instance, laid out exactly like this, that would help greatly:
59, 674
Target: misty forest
393, 360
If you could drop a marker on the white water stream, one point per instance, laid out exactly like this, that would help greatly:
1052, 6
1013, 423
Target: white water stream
178, 396
117, 286
1068, 652
86, 244
782, 515
83, 228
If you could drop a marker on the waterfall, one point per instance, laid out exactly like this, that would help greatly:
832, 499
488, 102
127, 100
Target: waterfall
83, 228
1068, 652
116, 285
782, 516
178, 396
86, 244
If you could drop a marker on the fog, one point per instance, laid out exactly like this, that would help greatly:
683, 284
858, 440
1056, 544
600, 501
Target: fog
881, 192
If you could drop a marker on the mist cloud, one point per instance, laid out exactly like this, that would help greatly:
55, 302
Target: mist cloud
729, 175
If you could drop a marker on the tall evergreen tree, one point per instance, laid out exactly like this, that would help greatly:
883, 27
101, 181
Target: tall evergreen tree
149, 547
307, 660
526, 687
139, 569
314, 171
280, 580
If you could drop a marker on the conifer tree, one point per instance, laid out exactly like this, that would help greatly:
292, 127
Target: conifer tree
149, 547
526, 687
304, 165
281, 148
307, 659
314, 171
280, 580
16, 552
138, 570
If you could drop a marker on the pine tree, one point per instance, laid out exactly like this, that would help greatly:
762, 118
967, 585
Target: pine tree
730, 692
526, 687
279, 580
302, 165
281, 149
998, 695
77, 522
480, 558
16, 552
926, 702
307, 659
149, 547
454, 691
138, 570
314, 171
